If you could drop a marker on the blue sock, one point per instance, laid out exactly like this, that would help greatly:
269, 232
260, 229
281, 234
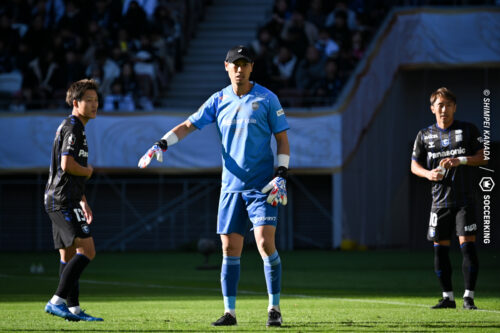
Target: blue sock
229, 277
272, 271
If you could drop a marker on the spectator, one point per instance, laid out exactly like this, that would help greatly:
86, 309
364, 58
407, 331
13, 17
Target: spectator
110, 70
135, 20
327, 46
316, 14
148, 6
284, 67
42, 79
129, 81
37, 37
357, 46
310, 70
328, 89
280, 14
54, 11
73, 19
264, 49
350, 15
117, 100
299, 33
339, 30
73, 69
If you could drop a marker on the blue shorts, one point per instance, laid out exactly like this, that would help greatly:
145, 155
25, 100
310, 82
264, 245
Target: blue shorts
235, 208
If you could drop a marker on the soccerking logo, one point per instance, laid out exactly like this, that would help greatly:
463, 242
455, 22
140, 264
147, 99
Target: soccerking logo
487, 184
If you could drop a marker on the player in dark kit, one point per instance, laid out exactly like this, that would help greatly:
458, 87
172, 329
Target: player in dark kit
443, 153
65, 200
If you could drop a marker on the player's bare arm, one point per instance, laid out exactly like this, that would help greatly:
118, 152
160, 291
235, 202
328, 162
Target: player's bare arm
183, 129
283, 147
474, 160
89, 216
432, 175
69, 165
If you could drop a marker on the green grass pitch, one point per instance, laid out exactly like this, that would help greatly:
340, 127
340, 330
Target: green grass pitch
373, 291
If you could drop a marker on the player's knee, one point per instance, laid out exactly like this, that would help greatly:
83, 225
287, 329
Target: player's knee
265, 246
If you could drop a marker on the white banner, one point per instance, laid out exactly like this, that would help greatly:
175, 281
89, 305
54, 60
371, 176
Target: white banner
118, 141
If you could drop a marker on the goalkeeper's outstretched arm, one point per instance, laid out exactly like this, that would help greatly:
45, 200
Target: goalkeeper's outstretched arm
170, 138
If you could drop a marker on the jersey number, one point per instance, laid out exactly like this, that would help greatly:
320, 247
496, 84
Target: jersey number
79, 215
433, 221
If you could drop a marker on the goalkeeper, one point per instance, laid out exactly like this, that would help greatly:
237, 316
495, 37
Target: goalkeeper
246, 115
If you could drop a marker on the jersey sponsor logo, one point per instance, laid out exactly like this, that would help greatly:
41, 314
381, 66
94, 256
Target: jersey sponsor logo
83, 153
255, 105
280, 112
430, 136
71, 139
229, 122
447, 153
471, 227
431, 144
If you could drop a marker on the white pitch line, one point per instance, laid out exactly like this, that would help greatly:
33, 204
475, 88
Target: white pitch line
247, 292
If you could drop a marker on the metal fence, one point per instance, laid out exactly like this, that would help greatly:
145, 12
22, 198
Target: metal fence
158, 212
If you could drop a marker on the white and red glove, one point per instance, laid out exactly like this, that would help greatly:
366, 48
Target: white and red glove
277, 186
156, 151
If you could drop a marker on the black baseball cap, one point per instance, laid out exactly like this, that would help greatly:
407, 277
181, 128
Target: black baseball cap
239, 52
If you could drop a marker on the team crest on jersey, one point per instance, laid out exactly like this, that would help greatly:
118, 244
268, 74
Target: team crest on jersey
445, 142
255, 105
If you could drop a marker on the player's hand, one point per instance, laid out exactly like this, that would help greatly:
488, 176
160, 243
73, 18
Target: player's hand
89, 216
91, 171
277, 186
437, 174
449, 162
156, 151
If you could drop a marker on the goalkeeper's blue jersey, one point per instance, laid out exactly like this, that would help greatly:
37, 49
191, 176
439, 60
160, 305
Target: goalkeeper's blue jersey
245, 125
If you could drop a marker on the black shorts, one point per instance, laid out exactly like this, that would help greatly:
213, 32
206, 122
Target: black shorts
443, 220
67, 225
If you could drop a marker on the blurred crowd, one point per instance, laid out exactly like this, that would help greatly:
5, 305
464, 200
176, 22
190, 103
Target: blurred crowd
307, 49
131, 47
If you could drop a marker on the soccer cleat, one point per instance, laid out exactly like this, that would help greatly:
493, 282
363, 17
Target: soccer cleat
274, 318
445, 303
86, 317
469, 303
226, 320
60, 310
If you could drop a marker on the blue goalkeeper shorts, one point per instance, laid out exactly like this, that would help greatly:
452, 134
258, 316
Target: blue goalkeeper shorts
235, 208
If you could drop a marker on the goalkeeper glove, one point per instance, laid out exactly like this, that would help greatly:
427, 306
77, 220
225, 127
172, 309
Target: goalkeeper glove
157, 150
277, 186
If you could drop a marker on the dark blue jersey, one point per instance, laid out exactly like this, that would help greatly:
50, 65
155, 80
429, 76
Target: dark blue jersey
64, 191
434, 144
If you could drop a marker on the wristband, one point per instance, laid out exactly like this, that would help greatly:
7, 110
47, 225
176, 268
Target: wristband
463, 160
283, 160
171, 138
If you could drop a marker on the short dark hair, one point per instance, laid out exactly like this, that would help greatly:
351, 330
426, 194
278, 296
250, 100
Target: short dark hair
445, 93
78, 89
